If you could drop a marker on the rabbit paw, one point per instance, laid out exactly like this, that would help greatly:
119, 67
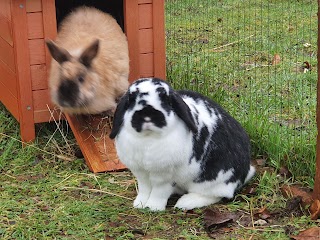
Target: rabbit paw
195, 200
140, 201
156, 205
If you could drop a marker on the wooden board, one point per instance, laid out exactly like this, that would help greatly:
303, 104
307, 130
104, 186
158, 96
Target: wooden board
22, 64
92, 134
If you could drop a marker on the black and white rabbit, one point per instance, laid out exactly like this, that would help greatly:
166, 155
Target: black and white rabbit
179, 142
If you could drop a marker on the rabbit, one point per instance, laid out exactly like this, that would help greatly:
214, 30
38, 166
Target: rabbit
179, 142
90, 67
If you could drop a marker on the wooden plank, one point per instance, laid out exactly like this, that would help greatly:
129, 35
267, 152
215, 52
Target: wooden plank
41, 102
147, 65
144, 1
8, 79
9, 101
6, 29
159, 39
145, 16
35, 25
43, 116
146, 40
36, 51
131, 22
21, 50
41, 98
7, 54
39, 77
87, 144
5, 8
33, 6
49, 26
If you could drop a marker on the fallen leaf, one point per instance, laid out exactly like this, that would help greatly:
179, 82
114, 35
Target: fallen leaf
290, 191
84, 184
260, 162
214, 219
262, 213
309, 234
250, 189
284, 172
293, 207
276, 59
315, 209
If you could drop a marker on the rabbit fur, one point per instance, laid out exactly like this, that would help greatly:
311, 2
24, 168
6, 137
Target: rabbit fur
179, 142
90, 66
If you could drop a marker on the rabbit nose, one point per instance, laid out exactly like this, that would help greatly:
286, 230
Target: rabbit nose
68, 93
147, 119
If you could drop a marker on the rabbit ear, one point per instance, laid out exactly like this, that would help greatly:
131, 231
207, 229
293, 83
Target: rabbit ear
183, 111
58, 53
119, 115
90, 53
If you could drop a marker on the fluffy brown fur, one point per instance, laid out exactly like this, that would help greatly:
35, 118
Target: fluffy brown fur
90, 65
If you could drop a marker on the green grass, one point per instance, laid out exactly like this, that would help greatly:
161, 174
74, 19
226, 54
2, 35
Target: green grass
46, 196
224, 49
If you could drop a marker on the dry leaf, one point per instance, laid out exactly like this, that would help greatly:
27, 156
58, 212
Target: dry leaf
290, 191
315, 209
262, 213
250, 189
284, 172
276, 59
214, 219
309, 234
260, 162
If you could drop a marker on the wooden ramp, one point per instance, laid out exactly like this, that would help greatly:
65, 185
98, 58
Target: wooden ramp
92, 134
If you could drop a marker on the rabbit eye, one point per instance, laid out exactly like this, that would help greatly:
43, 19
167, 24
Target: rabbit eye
81, 79
133, 96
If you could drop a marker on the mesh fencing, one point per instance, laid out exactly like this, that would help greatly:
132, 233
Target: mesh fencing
256, 58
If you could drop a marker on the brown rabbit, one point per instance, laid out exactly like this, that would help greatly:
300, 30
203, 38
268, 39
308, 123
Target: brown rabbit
91, 64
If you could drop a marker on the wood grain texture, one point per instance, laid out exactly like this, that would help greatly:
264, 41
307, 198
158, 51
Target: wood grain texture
147, 65
7, 54
41, 99
144, 1
146, 40
5, 9
96, 161
39, 77
131, 11
36, 51
8, 79
9, 101
43, 116
21, 52
159, 39
33, 6
145, 16
6, 30
35, 25
50, 27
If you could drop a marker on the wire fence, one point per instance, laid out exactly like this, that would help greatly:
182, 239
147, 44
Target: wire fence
257, 58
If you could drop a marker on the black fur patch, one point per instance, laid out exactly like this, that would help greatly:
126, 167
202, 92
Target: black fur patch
68, 93
164, 99
156, 117
229, 146
138, 82
142, 102
198, 143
